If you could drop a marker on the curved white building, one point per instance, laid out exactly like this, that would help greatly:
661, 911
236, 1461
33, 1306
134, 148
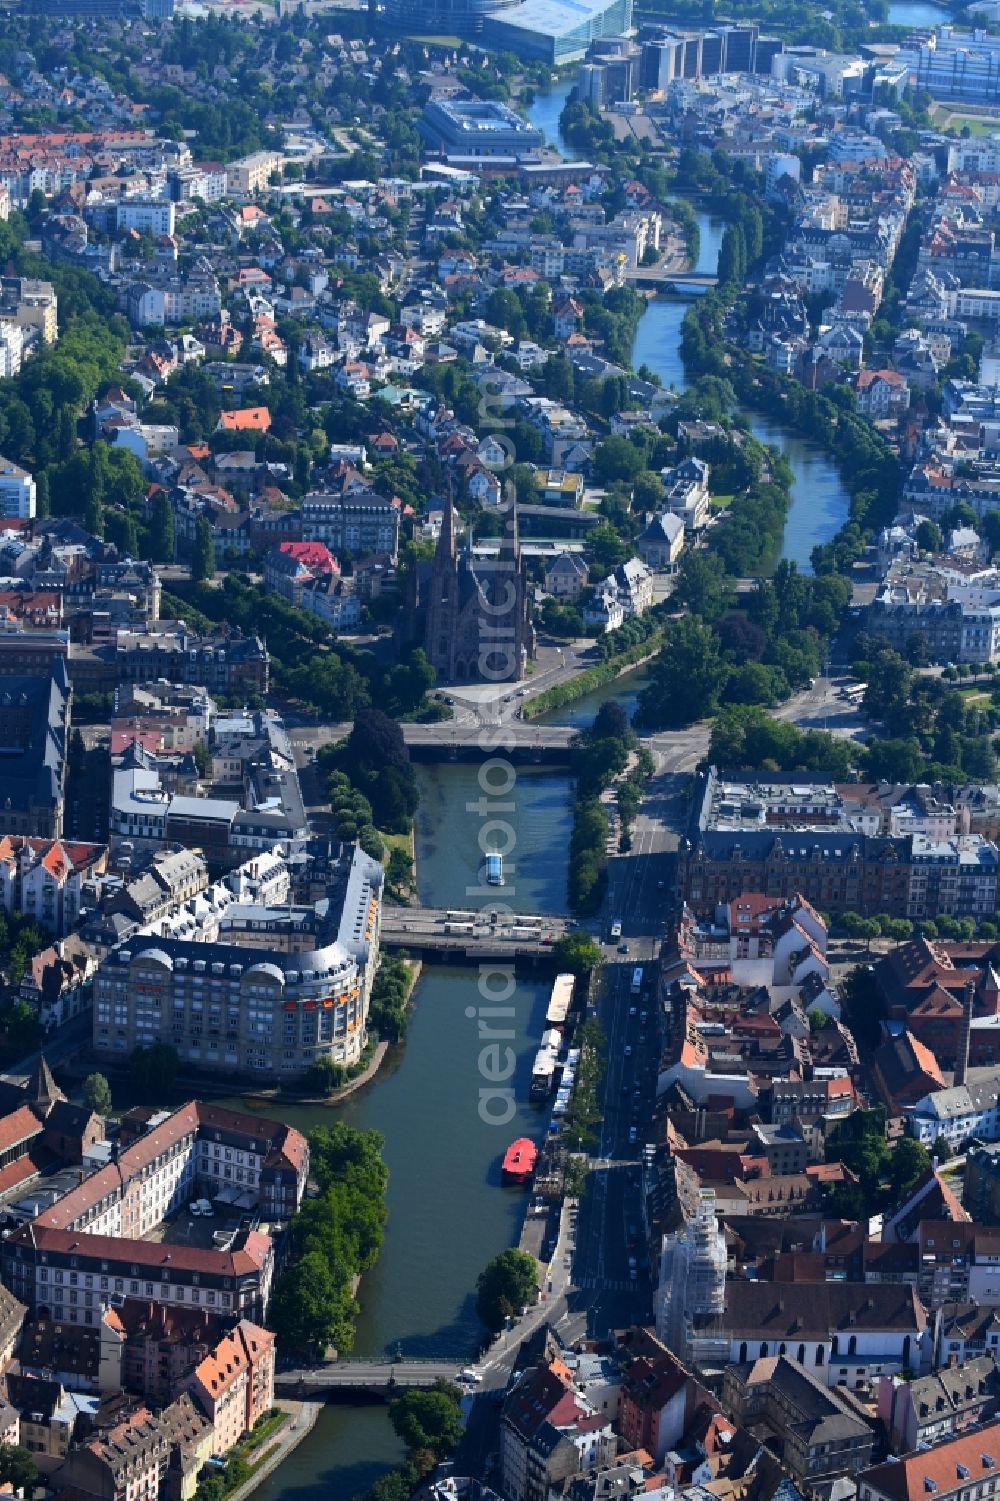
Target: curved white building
264, 990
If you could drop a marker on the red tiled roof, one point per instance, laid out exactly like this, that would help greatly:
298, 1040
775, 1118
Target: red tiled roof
246, 419
955, 1464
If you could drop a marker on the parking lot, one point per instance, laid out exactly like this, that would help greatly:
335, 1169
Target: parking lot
188, 1229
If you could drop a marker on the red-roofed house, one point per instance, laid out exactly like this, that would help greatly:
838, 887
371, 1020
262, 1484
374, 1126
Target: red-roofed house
234, 1383
881, 393
959, 1469
292, 567
44, 878
245, 419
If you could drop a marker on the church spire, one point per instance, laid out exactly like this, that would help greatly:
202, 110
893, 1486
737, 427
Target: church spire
446, 541
42, 1090
510, 542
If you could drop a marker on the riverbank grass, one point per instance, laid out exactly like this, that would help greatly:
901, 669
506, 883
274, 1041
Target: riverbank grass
592, 677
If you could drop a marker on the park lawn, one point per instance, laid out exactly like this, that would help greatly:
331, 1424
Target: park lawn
974, 696
720, 502
979, 125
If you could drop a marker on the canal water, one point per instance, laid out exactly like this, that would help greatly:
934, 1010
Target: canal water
439, 1149
819, 504
820, 500
582, 711
544, 113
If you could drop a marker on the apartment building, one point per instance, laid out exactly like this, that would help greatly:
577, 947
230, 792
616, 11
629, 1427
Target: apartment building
17, 491
87, 1249
234, 1383
780, 835
126, 1462
222, 663
154, 216
252, 174
964, 1468
46, 879
34, 730
923, 1411
31, 303
358, 522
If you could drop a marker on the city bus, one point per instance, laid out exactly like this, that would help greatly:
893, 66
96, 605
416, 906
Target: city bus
637, 980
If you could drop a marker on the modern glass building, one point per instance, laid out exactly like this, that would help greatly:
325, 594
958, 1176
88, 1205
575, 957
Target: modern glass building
557, 31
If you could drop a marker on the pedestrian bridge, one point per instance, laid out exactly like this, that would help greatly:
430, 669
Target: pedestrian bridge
378, 1377
461, 935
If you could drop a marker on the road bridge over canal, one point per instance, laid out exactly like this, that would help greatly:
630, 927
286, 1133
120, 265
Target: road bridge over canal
378, 1377
681, 282
438, 933
515, 738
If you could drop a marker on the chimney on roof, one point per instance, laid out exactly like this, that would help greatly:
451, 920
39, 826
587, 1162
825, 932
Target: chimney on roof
962, 1061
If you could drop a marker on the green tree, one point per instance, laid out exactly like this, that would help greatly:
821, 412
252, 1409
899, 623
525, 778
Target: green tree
324, 1076
429, 1420
22, 1026
202, 757
203, 552
97, 1094
506, 1285
577, 953
154, 1070
928, 536
377, 761
308, 1308
941, 1149
686, 677
161, 530
910, 1161
17, 1468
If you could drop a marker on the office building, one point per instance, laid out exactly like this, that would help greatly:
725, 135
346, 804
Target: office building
249, 987
477, 127
556, 31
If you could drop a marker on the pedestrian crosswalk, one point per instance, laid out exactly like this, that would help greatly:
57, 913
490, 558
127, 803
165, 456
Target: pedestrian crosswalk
606, 1284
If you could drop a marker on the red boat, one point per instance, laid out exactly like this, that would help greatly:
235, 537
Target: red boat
519, 1161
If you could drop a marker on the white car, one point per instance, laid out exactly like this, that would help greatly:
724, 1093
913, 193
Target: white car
470, 1374
195, 1206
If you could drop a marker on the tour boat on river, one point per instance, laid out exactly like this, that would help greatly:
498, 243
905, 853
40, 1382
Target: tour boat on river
519, 1161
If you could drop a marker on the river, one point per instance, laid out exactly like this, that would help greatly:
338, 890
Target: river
439, 1151
544, 113
819, 498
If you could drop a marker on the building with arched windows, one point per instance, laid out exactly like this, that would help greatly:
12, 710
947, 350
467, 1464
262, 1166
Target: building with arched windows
845, 1339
